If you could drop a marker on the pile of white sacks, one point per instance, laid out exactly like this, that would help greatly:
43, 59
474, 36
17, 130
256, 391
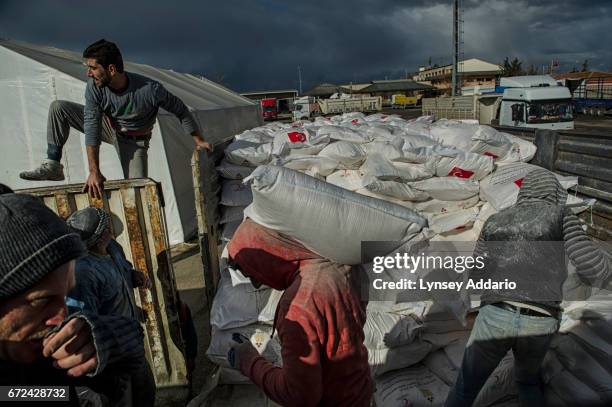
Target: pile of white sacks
382, 178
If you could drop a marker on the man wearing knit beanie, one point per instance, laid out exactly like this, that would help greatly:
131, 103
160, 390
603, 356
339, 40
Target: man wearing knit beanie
527, 244
105, 282
39, 343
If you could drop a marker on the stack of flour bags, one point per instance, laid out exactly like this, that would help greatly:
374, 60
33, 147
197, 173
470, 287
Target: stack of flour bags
334, 182
454, 173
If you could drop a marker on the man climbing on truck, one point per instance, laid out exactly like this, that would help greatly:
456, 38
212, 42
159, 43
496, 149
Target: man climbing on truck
526, 243
120, 109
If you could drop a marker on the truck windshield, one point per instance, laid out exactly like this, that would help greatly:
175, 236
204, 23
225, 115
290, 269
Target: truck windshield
549, 111
269, 108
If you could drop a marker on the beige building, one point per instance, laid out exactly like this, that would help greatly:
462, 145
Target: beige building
472, 72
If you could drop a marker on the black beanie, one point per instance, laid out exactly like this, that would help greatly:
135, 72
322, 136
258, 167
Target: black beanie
34, 241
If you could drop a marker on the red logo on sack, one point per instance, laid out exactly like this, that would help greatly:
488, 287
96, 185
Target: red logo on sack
461, 173
296, 137
495, 157
519, 182
460, 228
355, 121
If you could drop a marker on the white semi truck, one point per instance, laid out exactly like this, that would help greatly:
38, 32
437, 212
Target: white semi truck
305, 108
536, 101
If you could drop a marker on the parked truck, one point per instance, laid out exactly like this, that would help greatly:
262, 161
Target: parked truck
403, 101
571, 153
305, 108
592, 96
268, 109
366, 104
535, 101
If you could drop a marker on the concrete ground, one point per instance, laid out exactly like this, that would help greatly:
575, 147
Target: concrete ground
190, 283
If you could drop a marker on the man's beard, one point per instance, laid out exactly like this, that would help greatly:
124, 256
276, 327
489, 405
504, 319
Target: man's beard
103, 82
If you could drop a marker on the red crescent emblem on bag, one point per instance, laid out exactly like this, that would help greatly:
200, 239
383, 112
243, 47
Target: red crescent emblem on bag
461, 173
296, 137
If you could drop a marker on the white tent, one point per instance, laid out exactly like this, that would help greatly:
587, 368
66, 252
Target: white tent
32, 76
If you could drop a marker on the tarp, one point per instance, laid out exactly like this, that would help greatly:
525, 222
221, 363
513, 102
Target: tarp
32, 76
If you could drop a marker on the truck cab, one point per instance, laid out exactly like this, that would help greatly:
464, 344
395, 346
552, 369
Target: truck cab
535, 101
268, 109
305, 108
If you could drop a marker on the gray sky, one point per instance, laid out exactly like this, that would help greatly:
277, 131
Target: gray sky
258, 44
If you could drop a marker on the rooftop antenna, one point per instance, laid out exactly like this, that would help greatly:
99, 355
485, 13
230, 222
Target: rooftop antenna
300, 78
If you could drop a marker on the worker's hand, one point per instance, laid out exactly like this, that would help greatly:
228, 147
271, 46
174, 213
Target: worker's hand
203, 145
73, 348
95, 184
241, 346
140, 279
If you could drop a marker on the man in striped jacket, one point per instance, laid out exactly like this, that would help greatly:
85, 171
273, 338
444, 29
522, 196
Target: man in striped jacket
526, 244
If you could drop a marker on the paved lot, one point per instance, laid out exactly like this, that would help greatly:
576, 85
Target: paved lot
190, 283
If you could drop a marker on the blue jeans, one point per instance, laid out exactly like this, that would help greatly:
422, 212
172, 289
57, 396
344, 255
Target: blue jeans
495, 331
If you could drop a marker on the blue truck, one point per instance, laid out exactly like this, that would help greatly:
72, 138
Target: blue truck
592, 96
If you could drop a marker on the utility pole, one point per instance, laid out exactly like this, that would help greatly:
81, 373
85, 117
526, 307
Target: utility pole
455, 46
300, 78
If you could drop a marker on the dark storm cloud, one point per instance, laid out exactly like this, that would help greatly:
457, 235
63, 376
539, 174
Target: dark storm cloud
258, 44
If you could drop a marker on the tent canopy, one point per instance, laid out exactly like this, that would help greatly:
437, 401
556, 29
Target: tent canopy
196, 92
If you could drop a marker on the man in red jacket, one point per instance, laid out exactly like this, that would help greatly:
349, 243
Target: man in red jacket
319, 320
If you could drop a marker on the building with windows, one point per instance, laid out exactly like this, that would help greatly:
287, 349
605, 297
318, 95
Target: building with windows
472, 73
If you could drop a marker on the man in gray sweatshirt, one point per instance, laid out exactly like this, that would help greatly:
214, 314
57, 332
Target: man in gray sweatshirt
120, 109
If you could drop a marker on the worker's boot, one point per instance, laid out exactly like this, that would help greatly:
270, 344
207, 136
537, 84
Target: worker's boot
49, 170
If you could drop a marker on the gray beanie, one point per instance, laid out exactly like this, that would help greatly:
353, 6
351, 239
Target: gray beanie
90, 223
34, 241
